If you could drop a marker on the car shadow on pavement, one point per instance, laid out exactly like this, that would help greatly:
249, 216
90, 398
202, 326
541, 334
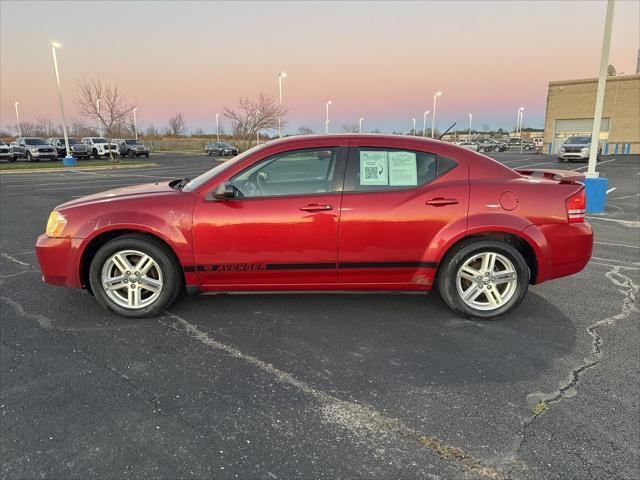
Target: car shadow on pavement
399, 340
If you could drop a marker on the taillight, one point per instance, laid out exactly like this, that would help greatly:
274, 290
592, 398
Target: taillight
576, 205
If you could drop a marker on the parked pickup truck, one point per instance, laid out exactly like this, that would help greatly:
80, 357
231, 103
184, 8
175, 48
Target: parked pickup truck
6, 152
33, 149
131, 148
100, 146
78, 150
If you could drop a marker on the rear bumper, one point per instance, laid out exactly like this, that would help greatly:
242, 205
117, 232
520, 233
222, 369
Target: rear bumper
57, 258
568, 249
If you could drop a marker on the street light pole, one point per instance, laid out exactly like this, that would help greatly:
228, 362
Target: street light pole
602, 82
281, 75
17, 104
424, 123
433, 118
470, 117
218, 127
135, 122
521, 122
414, 127
68, 159
99, 124
360, 124
326, 123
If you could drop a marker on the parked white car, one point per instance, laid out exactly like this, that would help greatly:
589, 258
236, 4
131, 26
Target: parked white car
470, 145
100, 146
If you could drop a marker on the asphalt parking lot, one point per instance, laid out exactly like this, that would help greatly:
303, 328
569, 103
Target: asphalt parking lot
318, 386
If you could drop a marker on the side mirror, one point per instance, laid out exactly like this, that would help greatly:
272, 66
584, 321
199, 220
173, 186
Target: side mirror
225, 191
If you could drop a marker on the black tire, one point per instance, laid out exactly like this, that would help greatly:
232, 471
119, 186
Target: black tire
29, 157
146, 155
455, 259
13, 159
560, 160
131, 153
95, 153
496, 149
173, 279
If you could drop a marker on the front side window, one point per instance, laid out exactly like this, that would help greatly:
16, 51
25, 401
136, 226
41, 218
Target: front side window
384, 169
298, 172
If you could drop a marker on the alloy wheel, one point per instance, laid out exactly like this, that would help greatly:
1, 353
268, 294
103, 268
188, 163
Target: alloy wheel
486, 281
132, 279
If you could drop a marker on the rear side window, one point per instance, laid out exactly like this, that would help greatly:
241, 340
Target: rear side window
385, 169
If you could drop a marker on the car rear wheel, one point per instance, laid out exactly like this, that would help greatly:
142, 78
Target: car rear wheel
496, 149
135, 276
483, 278
95, 153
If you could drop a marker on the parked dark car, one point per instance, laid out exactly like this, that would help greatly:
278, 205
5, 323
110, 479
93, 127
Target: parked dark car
33, 149
220, 149
491, 145
6, 152
78, 150
516, 143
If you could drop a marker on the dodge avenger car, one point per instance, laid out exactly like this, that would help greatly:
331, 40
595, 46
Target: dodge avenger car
326, 213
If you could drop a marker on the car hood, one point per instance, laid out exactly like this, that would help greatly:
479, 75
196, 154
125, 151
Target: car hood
115, 194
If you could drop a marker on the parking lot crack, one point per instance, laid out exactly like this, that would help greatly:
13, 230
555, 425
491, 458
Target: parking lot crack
360, 420
539, 402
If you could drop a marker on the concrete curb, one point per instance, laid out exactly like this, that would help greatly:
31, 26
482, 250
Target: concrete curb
71, 169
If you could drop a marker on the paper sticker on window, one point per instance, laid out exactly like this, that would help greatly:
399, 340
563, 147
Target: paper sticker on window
373, 168
403, 169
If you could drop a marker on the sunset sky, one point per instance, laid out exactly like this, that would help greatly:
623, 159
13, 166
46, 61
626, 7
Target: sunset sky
378, 60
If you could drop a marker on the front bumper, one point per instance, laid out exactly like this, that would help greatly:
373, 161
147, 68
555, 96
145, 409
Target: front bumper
57, 258
44, 154
574, 156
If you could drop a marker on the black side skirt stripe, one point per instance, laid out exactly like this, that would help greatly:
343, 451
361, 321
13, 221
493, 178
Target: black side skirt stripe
244, 267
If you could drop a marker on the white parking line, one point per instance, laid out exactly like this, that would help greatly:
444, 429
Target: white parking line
624, 198
611, 190
628, 223
618, 245
599, 164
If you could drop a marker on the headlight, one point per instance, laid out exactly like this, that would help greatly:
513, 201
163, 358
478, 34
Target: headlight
34, 150
55, 224
585, 150
561, 149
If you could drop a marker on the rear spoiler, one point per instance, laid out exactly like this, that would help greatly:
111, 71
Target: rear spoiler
562, 176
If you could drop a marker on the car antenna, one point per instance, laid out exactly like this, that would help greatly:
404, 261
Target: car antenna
447, 131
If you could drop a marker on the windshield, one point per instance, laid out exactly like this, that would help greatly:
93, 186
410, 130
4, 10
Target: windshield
132, 142
34, 141
579, 140
200, 180
99, 140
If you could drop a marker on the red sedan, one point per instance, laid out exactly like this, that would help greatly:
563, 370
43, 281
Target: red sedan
326, 213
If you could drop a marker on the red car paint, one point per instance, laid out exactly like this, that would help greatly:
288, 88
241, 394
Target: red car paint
383, 240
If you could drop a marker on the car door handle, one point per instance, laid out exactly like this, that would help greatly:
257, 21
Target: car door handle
441, 201
314, 207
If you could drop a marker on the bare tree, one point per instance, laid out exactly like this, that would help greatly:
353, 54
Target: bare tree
350, 128
305, 131
113, 109
177, 126
253, 116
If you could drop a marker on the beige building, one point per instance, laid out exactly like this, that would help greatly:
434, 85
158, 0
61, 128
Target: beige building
570, 107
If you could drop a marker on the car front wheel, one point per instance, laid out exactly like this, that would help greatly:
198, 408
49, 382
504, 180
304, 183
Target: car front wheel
483, 278
135, 276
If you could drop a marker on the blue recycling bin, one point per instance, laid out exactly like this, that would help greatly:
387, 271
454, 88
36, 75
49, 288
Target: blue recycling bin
596, 192
69, 161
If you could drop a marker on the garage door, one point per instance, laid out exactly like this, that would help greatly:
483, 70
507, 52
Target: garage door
564, 129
